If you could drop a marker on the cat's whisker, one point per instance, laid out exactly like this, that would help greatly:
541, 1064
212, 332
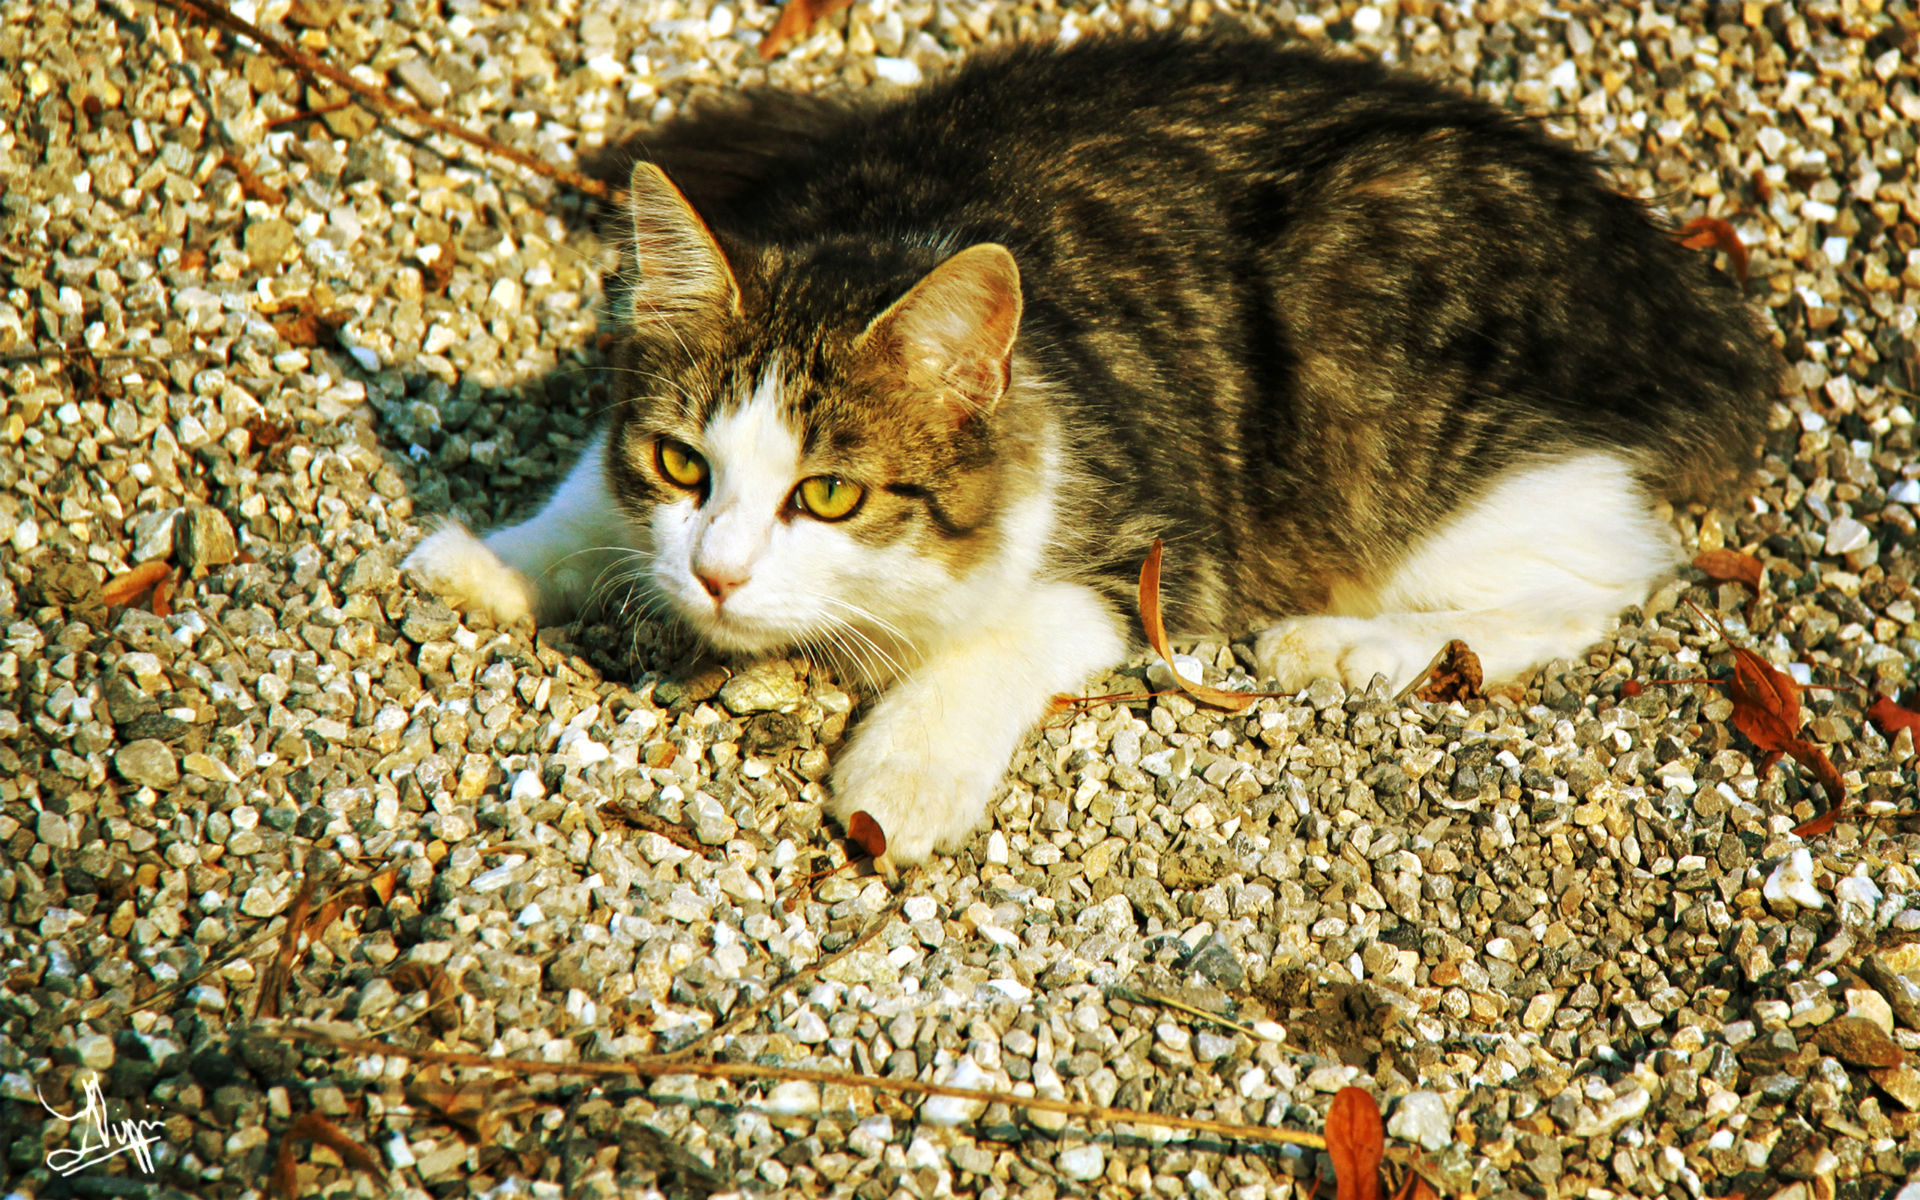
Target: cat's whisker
855, 640
903, 644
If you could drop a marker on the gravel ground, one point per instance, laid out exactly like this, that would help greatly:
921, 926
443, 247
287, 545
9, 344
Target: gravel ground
1567, 937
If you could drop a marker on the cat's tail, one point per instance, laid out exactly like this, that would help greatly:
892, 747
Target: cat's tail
720, 150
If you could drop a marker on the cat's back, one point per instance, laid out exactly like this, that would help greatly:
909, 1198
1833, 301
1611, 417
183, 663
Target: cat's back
1161, 118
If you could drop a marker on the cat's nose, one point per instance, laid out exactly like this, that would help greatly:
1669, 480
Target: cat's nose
720, 583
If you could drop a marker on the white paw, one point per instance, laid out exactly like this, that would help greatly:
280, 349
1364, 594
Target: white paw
924, 799
460, 569
1350, 649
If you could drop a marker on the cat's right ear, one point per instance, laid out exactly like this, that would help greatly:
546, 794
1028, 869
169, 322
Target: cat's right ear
681, 272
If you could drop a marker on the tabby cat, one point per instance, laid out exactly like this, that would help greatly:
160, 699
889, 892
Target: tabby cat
914, 382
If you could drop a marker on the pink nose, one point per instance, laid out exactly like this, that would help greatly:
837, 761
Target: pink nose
719, 583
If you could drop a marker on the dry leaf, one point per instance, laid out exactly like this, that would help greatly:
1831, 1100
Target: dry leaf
1766, 709
128, 588
313, 1127
303, 323
796, 19
1731, 566
438, 274
439, 986
866, 831
163, 596
1455, 675
1356, 1142
264, 435
1157, 638
1414, 1187
279, 973
475, 1106
384, 883
1891, 718
374, 893
1821, 825
1703, 233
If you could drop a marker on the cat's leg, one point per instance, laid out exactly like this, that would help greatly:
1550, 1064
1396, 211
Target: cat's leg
1536, 568
930, 755
546, 567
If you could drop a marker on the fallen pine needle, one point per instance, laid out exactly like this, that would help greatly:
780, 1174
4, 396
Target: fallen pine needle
1133, 996
661, 1066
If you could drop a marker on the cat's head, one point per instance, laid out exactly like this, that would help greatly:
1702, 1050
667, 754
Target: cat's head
820, 438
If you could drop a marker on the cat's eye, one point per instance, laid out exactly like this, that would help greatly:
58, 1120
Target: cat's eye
680, 464
829, 497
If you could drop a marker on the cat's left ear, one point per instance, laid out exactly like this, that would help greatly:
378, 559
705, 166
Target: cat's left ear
955, 329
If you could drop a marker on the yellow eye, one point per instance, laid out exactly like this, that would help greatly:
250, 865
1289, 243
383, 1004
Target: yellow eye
680, 464
829, 497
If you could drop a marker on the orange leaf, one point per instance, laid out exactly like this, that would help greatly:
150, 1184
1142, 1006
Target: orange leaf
1730, 566
1704, 232
1891, 718
1157, 638
135, 583
1356, 1141
795, 20
1632, 688
862, 828
313, 1127
163, 596
263, 435
1454, 675
1821, 825
384, 882
1766, 708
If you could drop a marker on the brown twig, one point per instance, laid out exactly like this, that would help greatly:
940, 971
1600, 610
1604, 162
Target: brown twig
646, 822
661, 1066
805, 975
218, 959
250, 183
310, 114
213, 12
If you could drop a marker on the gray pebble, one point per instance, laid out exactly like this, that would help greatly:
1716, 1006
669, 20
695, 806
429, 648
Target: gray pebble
147, 762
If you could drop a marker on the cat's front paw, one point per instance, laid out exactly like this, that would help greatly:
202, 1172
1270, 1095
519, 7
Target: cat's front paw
1350, 649
460, 569
923, 799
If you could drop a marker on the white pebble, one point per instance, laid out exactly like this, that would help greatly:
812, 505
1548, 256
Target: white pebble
1793, 880
896, 70
952, 1110
1422, 1117
1085, 1162
792, 1098
1859, 897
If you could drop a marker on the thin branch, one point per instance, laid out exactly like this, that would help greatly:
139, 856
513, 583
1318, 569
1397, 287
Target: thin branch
791, 982
1136, 996
660, 1067
213, 12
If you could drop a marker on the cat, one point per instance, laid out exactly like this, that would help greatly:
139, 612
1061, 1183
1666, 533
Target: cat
914, 382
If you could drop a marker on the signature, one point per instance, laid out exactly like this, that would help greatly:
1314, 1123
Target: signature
101, 1139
